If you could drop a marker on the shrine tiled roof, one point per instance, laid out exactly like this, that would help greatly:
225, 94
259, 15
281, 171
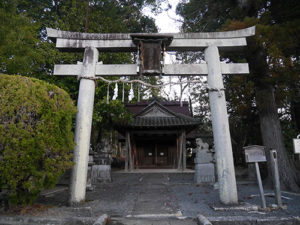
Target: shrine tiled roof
173, 106
163, 122
157, 115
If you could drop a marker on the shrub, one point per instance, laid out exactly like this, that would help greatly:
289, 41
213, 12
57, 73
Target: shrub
36, 136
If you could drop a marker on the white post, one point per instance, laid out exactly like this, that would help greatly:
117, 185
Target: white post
276, 180
261, 189
83, 126
222, 141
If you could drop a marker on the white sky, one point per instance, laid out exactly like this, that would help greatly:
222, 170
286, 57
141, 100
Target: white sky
166, 21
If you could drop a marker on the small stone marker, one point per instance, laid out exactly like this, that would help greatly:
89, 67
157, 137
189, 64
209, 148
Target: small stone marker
255, 154
204, 167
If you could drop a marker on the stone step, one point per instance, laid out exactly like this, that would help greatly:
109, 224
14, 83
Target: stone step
152, 221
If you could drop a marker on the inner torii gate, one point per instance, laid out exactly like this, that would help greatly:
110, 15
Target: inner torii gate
211, 43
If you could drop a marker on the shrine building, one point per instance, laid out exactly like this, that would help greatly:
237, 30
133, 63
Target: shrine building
157, 135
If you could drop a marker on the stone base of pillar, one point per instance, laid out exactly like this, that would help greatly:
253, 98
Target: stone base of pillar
101, 173
89, 184
204, 173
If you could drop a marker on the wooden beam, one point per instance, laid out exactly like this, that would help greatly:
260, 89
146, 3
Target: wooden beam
177, 151
168, 70
136, 158
183, 150
126, 152
180, 152
155, 150
130, 152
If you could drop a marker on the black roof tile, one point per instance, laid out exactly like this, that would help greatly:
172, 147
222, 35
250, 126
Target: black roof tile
172, 120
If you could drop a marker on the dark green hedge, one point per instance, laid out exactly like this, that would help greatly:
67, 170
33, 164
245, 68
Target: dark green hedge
36, 138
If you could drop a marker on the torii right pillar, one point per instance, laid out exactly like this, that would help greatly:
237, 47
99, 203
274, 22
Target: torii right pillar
220, 124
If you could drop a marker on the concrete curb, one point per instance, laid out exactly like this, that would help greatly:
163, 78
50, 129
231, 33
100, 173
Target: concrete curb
102, 220
26, 220
242, 207
202, 220
29, 220
249, 220
147, 216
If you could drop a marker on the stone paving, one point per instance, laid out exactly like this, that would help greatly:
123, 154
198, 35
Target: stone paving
166, 198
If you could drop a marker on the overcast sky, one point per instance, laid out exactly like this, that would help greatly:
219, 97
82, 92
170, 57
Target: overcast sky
167, 20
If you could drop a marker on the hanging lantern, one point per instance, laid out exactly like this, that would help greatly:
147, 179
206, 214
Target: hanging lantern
151, 50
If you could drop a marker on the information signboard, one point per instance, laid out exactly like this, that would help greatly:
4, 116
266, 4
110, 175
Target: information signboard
296, 142
255, 153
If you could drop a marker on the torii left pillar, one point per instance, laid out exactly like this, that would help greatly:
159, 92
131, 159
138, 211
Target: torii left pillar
83, 126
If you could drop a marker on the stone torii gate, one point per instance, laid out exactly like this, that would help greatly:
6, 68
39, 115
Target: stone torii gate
211, 43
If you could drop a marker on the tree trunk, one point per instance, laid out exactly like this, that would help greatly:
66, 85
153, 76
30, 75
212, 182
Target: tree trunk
272, 136
86, 16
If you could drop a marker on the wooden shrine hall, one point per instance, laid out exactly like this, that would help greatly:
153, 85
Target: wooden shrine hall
156, 137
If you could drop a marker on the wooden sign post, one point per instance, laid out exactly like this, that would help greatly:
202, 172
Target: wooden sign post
255, 154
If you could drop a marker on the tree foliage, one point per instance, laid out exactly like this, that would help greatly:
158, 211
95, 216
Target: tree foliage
26, 50
18, 41
107, 115
36, 136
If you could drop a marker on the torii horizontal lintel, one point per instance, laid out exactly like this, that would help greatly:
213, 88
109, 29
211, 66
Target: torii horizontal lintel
53, 33
129, 46
168, 70
123, 42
